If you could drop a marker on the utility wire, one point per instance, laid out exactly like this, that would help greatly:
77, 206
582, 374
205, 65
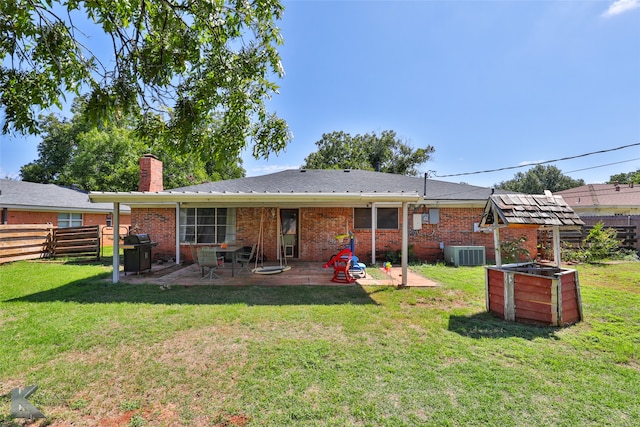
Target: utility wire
587, 192
538, 163
601, 166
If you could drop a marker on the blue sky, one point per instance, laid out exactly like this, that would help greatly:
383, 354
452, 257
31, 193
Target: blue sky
489, 84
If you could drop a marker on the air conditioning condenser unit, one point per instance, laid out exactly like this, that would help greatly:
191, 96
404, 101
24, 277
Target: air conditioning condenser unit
464, 255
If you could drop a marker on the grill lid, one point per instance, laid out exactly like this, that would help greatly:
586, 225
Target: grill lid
137, 239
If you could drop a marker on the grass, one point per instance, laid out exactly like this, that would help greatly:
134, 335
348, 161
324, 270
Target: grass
134, 355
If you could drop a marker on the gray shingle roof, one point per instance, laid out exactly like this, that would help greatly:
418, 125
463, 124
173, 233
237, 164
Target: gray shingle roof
47, 197
341, 181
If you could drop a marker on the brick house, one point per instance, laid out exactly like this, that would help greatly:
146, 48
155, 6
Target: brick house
304, 211
604, 199
23, 202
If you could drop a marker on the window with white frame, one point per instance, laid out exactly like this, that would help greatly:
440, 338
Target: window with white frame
69, 219
207, 225
387, 218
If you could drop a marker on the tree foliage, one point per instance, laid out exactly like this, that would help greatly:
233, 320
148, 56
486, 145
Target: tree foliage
625, 178
73, 153
199, 72
540, 178
384, 152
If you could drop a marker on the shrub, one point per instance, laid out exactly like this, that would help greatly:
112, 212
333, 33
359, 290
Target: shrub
513, 251
601, 243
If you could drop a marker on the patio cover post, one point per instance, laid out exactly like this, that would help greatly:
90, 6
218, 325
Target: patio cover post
116, 242
374, 215
496, 238
178, 233
405, 241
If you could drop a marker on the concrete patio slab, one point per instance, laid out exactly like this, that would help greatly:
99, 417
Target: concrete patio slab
301, 273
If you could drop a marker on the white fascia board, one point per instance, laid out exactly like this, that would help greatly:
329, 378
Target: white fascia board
134, 205
454, 203
252, 199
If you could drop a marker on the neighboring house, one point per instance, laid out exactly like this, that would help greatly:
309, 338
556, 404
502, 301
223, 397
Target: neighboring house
304, 210
23, 202
611, 204
603, 199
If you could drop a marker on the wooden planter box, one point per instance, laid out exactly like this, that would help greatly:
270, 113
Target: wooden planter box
532, 293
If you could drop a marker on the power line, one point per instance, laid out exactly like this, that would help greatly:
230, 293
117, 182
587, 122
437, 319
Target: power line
601, 166
633, 189
538, 163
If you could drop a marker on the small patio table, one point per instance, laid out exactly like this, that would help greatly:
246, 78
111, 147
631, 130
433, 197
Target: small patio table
233, 250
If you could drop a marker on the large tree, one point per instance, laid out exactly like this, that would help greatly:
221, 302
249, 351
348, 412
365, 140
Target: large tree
54, 151
625, 178
540, 178
105, 158
384, 152
204, 67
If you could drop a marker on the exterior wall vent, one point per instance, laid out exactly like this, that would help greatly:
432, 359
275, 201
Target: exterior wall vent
464, 255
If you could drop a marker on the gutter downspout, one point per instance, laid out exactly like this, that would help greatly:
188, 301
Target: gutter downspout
116, 243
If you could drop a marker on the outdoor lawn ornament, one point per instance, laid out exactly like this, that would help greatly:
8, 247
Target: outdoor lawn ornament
531, 292
387, 267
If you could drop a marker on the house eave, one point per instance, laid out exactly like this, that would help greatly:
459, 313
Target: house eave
252, 199
32, 208
454, 203
603, 207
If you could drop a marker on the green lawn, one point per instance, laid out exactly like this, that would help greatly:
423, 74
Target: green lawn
135, 355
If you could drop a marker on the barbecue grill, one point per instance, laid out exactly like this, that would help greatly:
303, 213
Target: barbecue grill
137, 253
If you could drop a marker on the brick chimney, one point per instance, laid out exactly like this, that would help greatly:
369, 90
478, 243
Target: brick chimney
150, 174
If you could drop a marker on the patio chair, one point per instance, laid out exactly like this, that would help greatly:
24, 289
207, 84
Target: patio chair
194, 256
245, 258
208, 259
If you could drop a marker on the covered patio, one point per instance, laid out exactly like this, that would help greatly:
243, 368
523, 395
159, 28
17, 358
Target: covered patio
300, 274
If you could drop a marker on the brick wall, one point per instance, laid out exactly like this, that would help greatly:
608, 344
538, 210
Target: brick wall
319, 227
160, 224
456, 229
30, 217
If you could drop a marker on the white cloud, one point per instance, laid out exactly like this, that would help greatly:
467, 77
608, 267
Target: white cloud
530, 162
621, 6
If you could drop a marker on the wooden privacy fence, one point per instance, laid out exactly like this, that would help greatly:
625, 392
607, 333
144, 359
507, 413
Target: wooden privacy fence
33, 241
19, 242
615, 221
76, 241
626, 236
